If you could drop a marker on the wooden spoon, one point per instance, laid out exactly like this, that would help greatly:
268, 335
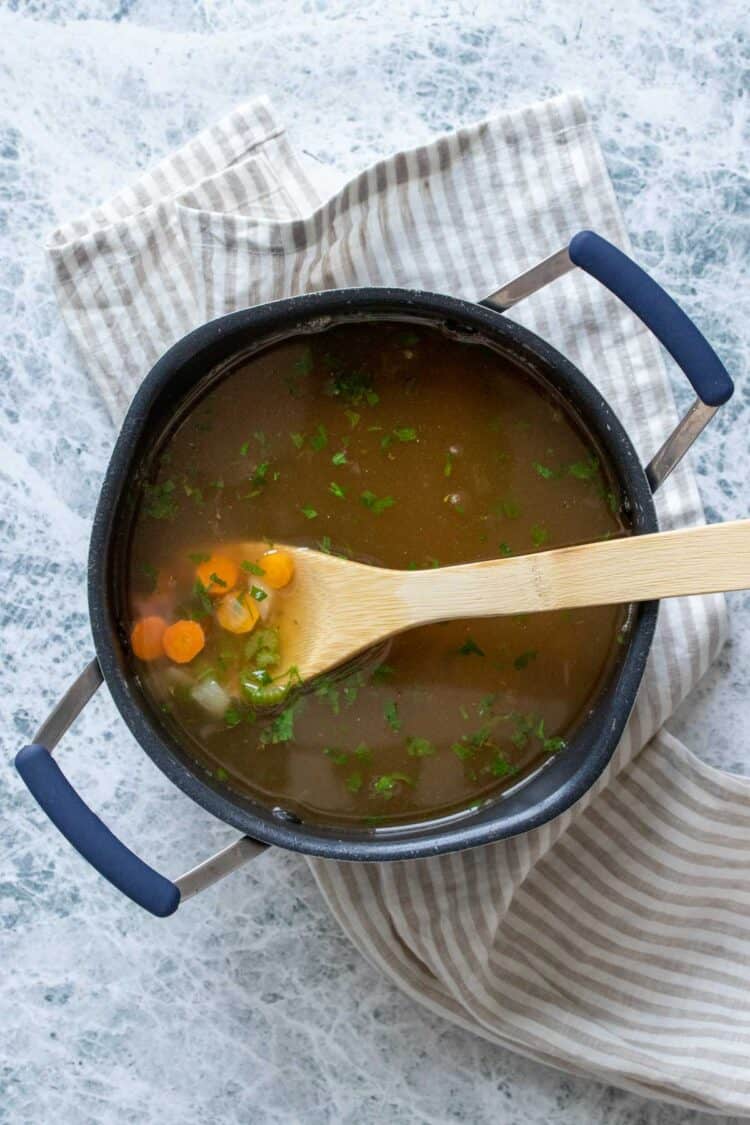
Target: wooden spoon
334, 608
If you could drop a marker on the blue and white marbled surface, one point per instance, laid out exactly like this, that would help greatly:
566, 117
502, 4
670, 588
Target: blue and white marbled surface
250, 1005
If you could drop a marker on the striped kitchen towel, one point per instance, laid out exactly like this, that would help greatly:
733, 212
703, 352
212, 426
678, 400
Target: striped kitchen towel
614, 941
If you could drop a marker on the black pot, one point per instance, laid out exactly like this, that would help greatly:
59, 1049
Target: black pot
543, 796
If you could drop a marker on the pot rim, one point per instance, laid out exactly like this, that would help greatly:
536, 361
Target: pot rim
558, 786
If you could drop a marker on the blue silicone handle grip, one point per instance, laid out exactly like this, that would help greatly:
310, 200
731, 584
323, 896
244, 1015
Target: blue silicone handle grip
687, 346
88, 835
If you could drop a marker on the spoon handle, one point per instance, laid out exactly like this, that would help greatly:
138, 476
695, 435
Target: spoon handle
691, 560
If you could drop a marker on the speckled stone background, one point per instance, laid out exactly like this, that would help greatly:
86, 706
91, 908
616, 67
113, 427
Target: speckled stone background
249, 1005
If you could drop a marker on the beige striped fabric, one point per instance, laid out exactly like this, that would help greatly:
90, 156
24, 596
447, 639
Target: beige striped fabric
614, 941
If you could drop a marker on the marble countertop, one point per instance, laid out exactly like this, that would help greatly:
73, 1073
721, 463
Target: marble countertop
249, 1004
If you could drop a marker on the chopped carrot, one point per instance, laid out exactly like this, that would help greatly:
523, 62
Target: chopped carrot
146, 638
279, 568
183, 641
218, 574
238, 613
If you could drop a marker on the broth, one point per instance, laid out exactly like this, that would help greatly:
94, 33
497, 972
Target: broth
395, 444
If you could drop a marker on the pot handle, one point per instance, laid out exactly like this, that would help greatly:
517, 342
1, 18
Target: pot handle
651, 304
656, 309
89, 835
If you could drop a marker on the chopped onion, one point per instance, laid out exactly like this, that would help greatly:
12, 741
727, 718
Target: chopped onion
212, 697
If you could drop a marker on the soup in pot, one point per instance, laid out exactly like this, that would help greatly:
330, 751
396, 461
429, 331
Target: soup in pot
395, 444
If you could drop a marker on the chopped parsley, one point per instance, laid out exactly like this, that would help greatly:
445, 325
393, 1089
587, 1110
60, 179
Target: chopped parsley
160, 502
470, 648
215, 580
304, 365
584, 470
257, 594
543, 471
385, 785
220, 773
244, 448
511, 509
338, 757
376, 504
339, 458
152, 574
353, 418
500, 766
198, 557
354, 387
383, 673
354, 782
505, 550
308, 512
419, 748
325, 544
539, 535
448, 466
252, 568
281, 729
232, 716
337, 490
319, 439
363, 753
298, 439
390, 711
524, 659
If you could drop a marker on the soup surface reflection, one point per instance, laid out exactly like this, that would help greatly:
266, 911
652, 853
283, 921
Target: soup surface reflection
399, 445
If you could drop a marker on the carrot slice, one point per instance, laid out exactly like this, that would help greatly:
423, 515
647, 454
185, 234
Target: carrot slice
238, 613
183, 641
279, 568
146, 637
218, 574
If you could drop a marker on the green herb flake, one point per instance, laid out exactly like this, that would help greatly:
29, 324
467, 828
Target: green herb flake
405, 434
539, 535
376, 504
198, 557
232, 716
390, 711
486, 703
470, 648
260, 473
553, 745
501, 767
463, 750
338, 757
505, 550
324, 544
244, 448
339, 458
319, 439
220, 773
298, 440
511, 509
337, 490
308, 512
200, 593
215, 580
354, 782
385, 785
448, 466
524, 659
383, 673
281, 729
252, 568
543, 471
160, 503
353, 418
363, 753
329, 693
257, 594
584, 470
419, 748
463, 713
